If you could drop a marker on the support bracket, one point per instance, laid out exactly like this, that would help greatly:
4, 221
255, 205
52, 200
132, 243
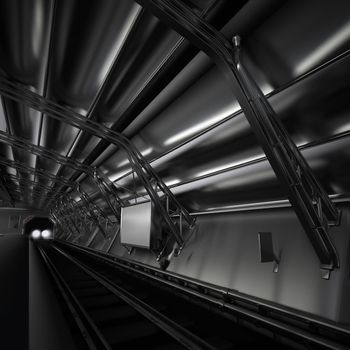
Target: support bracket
298, 181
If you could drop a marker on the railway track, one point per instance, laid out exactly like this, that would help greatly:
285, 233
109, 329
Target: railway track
115, 309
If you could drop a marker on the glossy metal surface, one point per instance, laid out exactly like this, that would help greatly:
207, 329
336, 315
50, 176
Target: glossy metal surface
116, 63
191, 127
136, 225
225, 252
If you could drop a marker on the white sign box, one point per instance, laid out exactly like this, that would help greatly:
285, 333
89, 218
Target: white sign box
136, 225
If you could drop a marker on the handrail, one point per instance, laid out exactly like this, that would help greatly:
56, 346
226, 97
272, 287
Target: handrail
149, 178
287, 161
22, 144
28, 169
283, 155
30, 182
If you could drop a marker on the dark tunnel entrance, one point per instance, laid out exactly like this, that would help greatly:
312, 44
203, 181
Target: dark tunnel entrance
39, 228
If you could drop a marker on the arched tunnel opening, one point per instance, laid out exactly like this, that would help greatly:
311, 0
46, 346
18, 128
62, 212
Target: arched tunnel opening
38, 228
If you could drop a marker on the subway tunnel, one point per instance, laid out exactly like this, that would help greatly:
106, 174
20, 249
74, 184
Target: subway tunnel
173, 174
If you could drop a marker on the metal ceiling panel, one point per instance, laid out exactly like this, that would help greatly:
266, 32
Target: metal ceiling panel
116, 63
24, 42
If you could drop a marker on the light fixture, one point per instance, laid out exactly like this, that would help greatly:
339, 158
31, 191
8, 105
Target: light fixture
172, 182
36, 234
326, 48
199, 127
145, 153
46, 234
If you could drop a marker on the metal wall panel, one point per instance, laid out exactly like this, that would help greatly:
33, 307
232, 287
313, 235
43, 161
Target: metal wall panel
225, 252
117, 64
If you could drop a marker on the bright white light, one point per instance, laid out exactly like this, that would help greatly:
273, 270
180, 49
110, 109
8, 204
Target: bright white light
327, 47
38, 27
172, 182
124, 162
117, 176
266, 88
2, 119
145, 152
46, 234
203, 125
36, 234
343, 128
115, 49
228, 165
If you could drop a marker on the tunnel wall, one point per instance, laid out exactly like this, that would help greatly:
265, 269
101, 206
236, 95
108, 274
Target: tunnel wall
13, 291
12, 219
30, 317
14, 272
224, 251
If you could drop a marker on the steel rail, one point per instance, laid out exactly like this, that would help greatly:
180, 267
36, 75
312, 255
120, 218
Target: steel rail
144, 171
40, 151
82, 214
32, 182
66, 215
37, 172
108, 79
56, 157
34, 191
89, 332
179, 333
224, 299
263, 122
148, 92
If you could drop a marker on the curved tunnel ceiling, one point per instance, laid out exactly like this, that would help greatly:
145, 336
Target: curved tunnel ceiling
117, 64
